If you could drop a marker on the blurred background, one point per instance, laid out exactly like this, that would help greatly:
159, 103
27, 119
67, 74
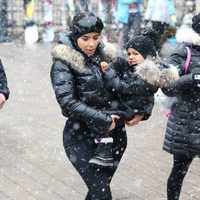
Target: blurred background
122, 21
12, 16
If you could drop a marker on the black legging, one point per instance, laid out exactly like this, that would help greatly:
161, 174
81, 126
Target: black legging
175, 180
160, 27
97, 181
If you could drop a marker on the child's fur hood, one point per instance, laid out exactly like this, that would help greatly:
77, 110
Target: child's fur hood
168, 76
76, 59
152, 72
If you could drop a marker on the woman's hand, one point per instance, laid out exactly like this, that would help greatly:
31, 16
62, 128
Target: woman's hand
104, 66
114, 118
135, 120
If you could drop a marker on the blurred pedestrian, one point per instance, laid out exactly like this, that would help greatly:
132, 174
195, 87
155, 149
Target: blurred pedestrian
81, 5
80, 90
4, 90
197, 6
4, 36
129, 14
157, 16
189, 13
106, 11
182, 138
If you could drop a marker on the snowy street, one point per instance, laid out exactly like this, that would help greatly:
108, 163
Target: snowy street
33, 164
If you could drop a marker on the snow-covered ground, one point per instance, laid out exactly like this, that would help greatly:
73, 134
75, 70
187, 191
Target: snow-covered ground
33, 164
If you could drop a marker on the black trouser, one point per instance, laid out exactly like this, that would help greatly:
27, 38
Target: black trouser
132, 28
175, 180
97, 181
160, 27
3, 21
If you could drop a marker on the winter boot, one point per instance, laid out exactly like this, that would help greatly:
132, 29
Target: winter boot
103, 156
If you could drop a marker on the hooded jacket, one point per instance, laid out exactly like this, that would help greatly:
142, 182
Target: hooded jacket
79, 85
136, 95
3, 82
183, 127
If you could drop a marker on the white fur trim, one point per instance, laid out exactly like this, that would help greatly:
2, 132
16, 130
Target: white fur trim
168, 76
149, 71
76, 59
68, 55
154, 74
188, 35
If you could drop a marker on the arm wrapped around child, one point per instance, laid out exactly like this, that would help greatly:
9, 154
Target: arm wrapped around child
135, 94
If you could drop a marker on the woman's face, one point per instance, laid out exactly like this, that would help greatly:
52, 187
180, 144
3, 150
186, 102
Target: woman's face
89, 42
134, 56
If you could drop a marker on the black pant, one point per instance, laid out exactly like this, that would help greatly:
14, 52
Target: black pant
160, 27
97, 181
175, 180
132, 28
4, 36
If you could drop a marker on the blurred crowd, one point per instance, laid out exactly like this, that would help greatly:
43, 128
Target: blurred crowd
123, 19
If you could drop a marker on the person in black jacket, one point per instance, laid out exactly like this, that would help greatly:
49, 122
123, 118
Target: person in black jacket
182, 138
136, 96
4, 90
79, 86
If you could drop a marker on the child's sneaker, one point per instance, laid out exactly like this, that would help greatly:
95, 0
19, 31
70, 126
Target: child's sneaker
103, 157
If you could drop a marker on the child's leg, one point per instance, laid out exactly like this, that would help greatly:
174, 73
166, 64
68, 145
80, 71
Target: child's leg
103, 155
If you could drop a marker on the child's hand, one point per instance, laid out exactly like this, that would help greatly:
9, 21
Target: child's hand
104, 66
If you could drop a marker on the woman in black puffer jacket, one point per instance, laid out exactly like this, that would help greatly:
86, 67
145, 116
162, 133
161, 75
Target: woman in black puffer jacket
80, 90
182, 137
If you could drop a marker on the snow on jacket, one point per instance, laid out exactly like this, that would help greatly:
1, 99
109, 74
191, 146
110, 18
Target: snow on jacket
3, 82
183, 127
78, 83
136, 95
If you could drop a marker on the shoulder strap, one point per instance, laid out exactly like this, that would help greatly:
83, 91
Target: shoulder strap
187, 62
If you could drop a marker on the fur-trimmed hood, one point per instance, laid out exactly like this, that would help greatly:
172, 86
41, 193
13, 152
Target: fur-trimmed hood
188, 35
153, 72
76, 59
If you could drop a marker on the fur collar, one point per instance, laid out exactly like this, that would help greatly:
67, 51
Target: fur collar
76, 59
152, 72
188, 35
168, 76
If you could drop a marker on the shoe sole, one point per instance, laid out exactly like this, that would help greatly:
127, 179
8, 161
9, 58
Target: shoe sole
98, 164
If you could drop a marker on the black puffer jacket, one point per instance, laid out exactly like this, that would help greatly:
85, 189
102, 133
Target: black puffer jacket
79, 85
136, 95
183, 127
3, 82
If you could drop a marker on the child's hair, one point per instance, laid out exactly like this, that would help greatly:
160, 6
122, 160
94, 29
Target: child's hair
145, 44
